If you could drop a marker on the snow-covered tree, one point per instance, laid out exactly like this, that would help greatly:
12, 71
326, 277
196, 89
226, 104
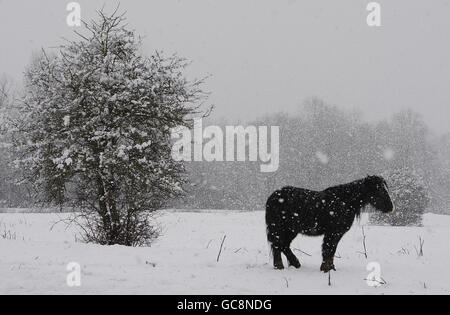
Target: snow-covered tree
10, 194
95, 130
410, 195
3, 106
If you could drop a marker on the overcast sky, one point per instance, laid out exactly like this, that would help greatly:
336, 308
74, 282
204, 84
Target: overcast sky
271, 55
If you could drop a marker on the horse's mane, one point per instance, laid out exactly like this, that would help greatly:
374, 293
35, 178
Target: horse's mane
347, 186
351, 191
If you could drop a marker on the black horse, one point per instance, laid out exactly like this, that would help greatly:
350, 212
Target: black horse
331, 213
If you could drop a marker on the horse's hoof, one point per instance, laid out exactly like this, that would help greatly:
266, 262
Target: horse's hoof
327, 267
296, 265
278, 267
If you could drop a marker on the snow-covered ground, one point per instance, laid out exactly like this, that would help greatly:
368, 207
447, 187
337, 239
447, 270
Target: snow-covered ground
34, 255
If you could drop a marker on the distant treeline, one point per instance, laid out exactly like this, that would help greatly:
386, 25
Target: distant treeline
322, 146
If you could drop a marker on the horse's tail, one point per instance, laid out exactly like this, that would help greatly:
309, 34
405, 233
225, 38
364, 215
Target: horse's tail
274, 221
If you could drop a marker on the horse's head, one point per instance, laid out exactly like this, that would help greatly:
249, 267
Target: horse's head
378, 194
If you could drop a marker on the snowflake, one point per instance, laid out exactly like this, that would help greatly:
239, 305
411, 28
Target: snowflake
322, 157
388, 154
66, 121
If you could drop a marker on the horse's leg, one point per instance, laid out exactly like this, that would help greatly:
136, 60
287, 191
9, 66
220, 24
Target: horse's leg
276, 241
277, 261
330, 243
292, 259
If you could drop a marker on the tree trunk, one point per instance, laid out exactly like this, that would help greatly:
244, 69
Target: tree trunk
103, 209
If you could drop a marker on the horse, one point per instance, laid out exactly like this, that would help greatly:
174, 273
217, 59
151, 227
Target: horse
291, 211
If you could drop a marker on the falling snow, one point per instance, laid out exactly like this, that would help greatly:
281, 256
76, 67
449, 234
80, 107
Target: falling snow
322, 157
